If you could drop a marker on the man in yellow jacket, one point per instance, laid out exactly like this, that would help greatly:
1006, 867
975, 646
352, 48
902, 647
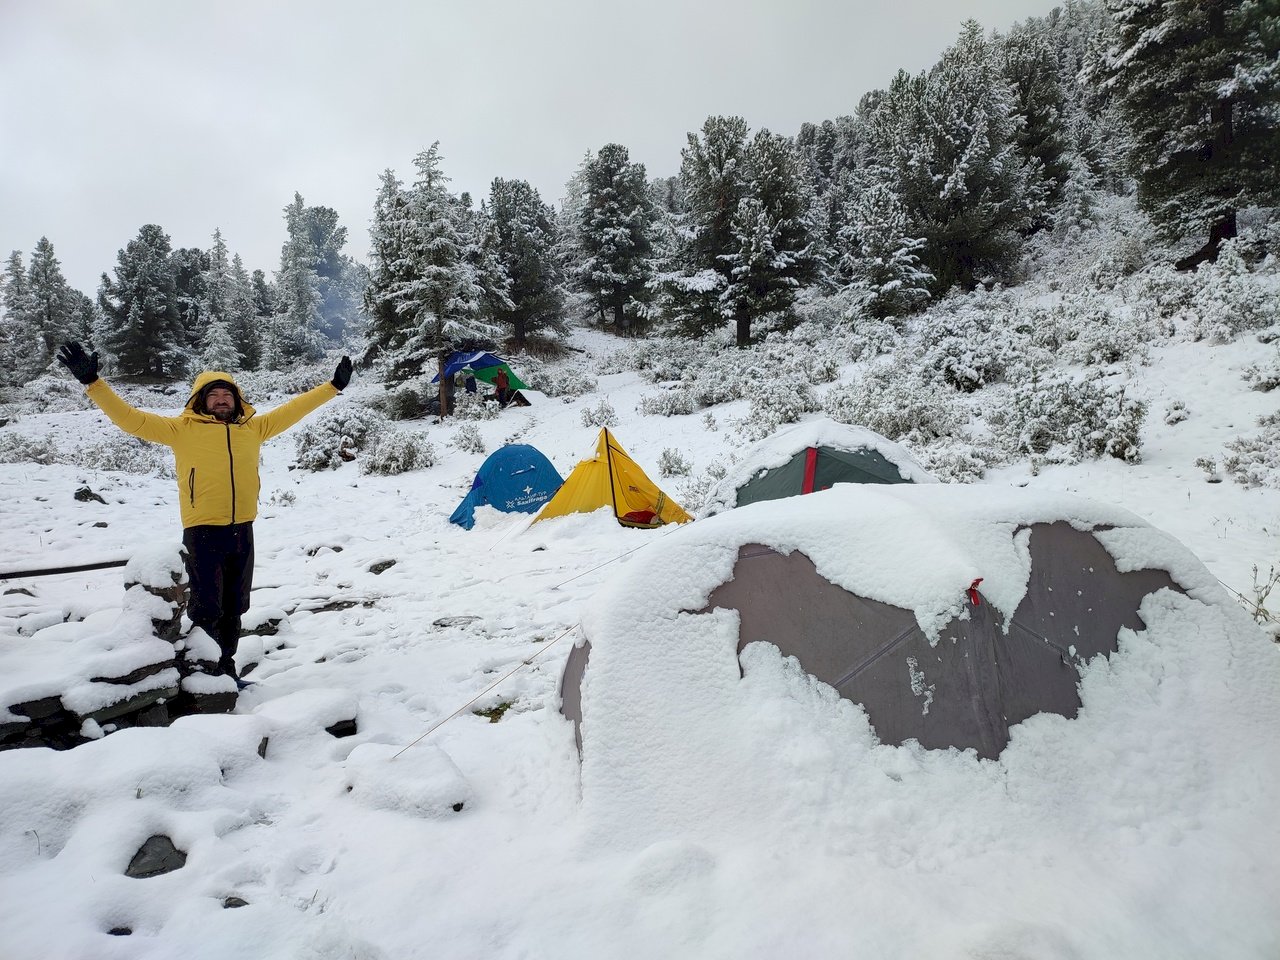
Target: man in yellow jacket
216, 442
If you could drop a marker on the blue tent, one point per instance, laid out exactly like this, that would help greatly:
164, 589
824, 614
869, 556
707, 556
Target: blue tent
515, 479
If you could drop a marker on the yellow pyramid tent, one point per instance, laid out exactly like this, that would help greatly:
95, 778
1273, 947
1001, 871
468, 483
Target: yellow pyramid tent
611, 478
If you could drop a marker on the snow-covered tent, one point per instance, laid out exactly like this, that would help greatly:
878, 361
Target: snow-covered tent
516, 478
950, 613
810, 456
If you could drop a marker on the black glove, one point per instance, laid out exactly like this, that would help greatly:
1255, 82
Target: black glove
342, 376
82, 366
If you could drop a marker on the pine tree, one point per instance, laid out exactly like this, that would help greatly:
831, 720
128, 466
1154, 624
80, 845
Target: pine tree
713, 169
295, 333
338, 281
615, 234
1197, 82
524, 245
52, 302
388, 329
880, 258
242, 316
430, 288
1029, 66
773, 252
945, 142
18, 331
189, 265
143, 330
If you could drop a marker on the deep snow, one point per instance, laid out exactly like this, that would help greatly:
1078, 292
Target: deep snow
758, 817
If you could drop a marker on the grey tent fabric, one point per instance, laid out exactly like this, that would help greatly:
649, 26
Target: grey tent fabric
979, 679
571, 688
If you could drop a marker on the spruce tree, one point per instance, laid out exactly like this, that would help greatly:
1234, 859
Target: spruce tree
1197, 83
713, 169
143, 330
524, 246
242, 316
945, 142
773, 252
431, 290
615, 234
879, 257
51, 301
18, 331
388, 329
295, 333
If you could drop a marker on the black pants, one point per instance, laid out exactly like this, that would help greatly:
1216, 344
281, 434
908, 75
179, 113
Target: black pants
220, 570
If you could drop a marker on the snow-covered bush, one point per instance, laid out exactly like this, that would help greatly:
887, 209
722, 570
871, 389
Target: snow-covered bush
952, 460
571, 376
709, 422
16, 448
394, 451
402, 403
693, 493
48, 393
896, 401
1176, 412
1064, 420
1255, 461
473, 406
1230, 299
673, 464
120, 451
1264, 376
872, 338
965, 352
775, 401
467, 438
601, 415
335, 434
668, 403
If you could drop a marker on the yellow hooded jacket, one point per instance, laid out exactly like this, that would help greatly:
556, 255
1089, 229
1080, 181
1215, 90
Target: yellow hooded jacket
217, 463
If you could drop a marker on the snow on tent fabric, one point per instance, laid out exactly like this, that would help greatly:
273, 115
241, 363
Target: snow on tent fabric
811, 456
958, 671
516, 478
611, 478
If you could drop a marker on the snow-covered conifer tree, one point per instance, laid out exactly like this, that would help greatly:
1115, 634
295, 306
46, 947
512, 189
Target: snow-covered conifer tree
1198, 85
143, 330
296, 333
773, 252
51, 301
615, 235
524, 245
879, 256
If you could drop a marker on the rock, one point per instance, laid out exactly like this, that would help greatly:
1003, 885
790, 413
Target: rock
232, 902
380, 566
343, 728
156, 856
84, 495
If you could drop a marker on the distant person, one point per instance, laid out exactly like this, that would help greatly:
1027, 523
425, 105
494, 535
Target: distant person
502, 386
216, 442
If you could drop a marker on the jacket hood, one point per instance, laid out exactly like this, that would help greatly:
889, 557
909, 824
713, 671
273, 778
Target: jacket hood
212, 376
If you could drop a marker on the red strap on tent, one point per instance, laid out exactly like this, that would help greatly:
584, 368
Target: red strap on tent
973, 592
810, 469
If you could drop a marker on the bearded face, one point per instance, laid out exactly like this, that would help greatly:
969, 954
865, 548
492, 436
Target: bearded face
220, 403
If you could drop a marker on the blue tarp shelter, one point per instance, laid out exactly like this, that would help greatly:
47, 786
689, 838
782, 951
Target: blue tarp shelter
485, 366
515, 479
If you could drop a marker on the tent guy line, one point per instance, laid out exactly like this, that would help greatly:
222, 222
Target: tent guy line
518, 667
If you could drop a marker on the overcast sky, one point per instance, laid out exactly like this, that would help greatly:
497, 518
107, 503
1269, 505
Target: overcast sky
197, 116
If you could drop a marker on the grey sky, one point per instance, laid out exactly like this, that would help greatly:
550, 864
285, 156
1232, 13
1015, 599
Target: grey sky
192, 115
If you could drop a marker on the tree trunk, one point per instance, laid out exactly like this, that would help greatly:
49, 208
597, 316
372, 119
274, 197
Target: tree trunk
1223, 229
444, 393
743, 321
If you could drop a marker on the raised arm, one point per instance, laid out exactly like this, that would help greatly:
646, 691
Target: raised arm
287, 414
148, 426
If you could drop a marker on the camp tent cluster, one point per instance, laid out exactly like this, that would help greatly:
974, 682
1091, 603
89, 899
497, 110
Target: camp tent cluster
1038, 594
519, 478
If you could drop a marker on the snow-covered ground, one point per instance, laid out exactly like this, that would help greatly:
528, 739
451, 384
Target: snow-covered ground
1144, 828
